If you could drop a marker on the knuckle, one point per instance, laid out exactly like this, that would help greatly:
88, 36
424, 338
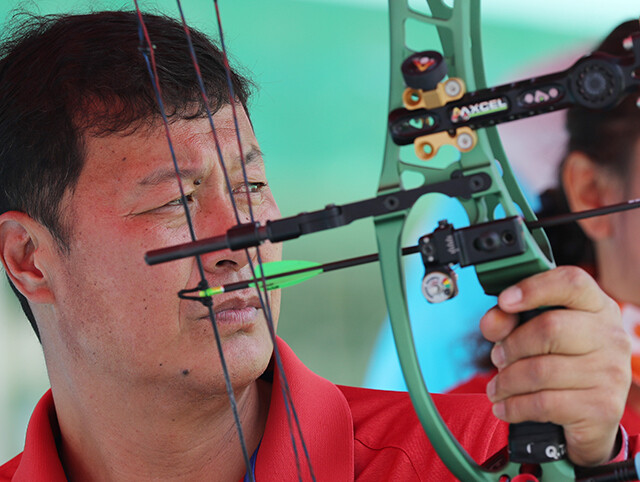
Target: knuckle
617, 347
616, 314
550, 329
619, 376
606, 407
538, 372
573, 276
622, 342
542, 404
575, 280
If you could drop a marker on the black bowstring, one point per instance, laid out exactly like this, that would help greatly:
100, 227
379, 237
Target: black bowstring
289, 405
264, 300
262, 293
149, 58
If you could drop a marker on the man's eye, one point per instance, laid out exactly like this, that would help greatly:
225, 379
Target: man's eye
178, 201
251, 187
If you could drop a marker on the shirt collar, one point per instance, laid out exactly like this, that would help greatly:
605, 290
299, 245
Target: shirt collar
40, 460
326, 424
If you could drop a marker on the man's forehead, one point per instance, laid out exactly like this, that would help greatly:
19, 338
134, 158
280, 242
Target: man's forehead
145, 156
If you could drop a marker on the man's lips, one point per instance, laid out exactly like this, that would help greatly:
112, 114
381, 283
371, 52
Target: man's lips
235, 310
242, 315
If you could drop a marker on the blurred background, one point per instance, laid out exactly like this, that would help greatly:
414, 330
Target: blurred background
320, 116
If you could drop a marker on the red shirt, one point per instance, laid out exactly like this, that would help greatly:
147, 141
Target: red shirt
351, 433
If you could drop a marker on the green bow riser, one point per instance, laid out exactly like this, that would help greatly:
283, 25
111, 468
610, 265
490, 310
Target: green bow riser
458, 28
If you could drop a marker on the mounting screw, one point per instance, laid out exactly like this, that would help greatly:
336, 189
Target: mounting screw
487, 242
465, 141
391, 203
452, 87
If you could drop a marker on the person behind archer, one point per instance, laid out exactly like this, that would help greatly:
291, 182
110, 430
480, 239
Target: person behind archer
601, 167
87, 186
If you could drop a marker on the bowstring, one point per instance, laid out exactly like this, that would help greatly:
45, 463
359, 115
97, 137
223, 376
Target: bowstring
264, 300
289, 405
149, 58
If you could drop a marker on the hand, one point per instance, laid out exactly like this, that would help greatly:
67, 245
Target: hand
568, 366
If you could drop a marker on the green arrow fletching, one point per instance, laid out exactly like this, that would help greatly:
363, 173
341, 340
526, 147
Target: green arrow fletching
287, 273
277, 274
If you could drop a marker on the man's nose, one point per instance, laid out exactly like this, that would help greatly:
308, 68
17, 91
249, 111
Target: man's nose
214, 220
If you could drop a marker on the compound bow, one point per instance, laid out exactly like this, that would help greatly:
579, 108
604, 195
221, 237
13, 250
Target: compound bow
459, 111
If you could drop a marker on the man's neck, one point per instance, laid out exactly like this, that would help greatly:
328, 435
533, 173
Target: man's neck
125, 440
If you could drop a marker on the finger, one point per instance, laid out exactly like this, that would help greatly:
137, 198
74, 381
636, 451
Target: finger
590, 427
557, 331
567, 286
496, 324
555, 372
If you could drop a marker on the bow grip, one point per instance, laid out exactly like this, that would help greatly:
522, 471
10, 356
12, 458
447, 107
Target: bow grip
536, 442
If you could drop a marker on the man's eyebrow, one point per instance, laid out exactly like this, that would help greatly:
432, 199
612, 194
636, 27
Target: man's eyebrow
254, 154
163, 175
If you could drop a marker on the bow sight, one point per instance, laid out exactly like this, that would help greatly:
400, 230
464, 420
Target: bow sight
440, 112
248, 235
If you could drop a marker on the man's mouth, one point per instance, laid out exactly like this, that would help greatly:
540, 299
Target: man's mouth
236, 311
236, 315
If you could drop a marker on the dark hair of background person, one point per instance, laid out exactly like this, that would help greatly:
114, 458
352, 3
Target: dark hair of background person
608, 138
66, 77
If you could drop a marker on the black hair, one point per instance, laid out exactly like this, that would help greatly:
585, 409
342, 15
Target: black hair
63, 77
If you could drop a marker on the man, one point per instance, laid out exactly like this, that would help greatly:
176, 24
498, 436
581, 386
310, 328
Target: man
137, 391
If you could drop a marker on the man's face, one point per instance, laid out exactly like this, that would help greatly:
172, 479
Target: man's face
121, 318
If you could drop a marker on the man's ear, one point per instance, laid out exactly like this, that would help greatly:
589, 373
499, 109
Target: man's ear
21, 238
589, 186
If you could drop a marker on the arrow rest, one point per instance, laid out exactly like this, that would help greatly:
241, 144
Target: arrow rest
447, 246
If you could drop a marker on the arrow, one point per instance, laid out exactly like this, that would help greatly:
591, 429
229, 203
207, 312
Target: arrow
281, 274
277, 274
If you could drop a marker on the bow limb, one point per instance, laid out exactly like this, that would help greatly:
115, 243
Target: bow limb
388, 234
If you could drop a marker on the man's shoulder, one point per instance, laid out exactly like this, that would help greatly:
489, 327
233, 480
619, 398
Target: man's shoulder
396, 409
8, 469
389, 436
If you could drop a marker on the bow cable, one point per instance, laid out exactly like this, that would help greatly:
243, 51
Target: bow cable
261, 287
207, 301
148, 54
